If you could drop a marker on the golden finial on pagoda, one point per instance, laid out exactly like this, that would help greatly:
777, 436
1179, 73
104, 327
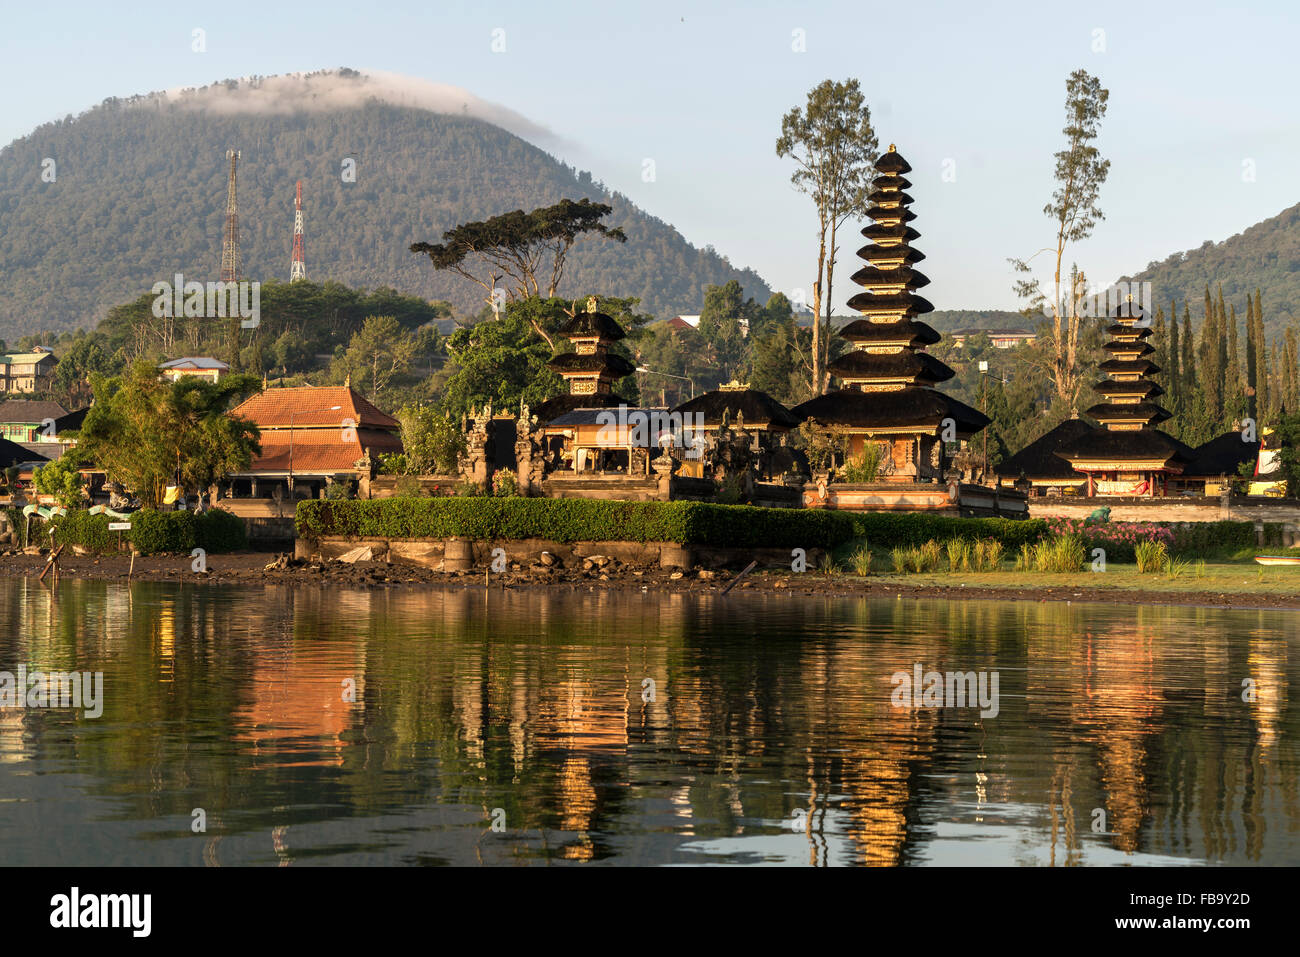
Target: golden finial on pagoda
891, 148
591, 303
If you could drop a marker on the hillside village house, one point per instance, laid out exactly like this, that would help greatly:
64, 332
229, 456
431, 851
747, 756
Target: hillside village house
202, 367
998, 338
26, 371
29, 421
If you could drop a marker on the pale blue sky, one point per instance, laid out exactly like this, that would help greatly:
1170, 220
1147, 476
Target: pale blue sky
1197, 89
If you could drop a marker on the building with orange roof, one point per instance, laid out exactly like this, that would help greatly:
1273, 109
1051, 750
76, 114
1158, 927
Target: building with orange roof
311, 437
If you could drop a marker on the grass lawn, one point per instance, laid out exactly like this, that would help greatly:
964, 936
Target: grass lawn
1227, 577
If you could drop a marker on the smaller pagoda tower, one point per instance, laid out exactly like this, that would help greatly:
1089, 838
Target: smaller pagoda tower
590, 369
1128, 456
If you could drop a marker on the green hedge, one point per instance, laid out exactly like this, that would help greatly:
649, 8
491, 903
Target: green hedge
687, 523
1208, 538
151, 533
912, 528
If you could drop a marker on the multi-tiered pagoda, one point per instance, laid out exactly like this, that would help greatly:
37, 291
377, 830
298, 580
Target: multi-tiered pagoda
889, 380
1128, 456
590, 369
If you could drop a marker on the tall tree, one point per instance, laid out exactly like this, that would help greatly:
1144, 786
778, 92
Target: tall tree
1234, 397
381, 351
1173, 376
1080, 173
147, 433
528, 249
1252, 362
1264, 398
833, 145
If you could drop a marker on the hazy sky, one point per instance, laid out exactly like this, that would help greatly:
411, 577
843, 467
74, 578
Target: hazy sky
1202, 132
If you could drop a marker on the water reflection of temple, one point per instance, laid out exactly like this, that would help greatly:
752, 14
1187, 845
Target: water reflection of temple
470, 700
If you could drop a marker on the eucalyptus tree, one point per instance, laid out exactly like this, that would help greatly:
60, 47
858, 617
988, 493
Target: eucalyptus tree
833, 145
1079, 175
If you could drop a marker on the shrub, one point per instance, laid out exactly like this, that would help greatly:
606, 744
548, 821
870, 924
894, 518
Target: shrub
505, 484
959, 554
987, 555
901, 558
866, 465
827, 565
1150, 556
151, 533
861, 560
930, 555
1064, 553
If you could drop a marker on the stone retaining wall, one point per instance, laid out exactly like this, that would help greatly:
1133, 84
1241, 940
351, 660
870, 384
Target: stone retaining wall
458, 554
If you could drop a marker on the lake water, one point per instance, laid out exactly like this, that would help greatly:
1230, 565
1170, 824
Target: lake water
518, 727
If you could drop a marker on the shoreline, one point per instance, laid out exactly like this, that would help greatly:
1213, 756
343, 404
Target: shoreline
268, 568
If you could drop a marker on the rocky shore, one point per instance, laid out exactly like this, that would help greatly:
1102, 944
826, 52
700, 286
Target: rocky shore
245, 568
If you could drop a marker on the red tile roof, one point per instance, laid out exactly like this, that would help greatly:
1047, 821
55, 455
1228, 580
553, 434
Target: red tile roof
311, 406
320, 450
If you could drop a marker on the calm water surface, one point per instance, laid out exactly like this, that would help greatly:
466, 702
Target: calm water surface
770, 738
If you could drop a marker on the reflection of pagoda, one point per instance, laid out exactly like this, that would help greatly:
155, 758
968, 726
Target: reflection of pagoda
590, 369
1128, 456
888, 395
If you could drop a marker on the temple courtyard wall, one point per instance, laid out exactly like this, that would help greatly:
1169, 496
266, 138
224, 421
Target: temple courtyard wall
1236, 508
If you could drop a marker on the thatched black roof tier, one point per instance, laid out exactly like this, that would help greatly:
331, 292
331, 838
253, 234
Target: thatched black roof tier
1147, 412
905, 409
586, 325
11, 454
874, 253
1130, 310
892, 162
1119, 329
874, 275
903, 364
1038, 459
1137, 444
899, 214
615, 365
879, 195
900, 233
904, 330
1129, 348
1221, 456
913, 305
1136, 366
758, 408
890, 181
1142, 387
555, 407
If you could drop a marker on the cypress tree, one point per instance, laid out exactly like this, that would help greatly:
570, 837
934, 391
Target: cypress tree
1234, 405
1210, 372
1264, 401
1291, 372
1173, 376
1252, 361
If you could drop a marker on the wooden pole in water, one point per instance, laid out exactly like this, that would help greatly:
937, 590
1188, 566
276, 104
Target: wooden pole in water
748, 568
131, 571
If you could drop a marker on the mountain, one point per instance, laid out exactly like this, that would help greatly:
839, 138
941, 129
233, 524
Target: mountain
1265, 256
137, 193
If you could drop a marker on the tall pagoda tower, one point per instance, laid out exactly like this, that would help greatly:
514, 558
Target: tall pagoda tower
889, 380
1128, 455
590, 369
